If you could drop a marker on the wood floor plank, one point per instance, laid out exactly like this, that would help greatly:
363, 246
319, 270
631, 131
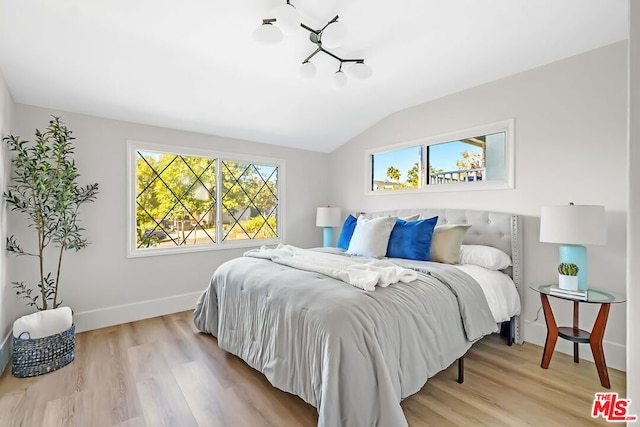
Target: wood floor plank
210, 403
147, 361
163, 372
9, 407
78, 409
133, 422
163, 403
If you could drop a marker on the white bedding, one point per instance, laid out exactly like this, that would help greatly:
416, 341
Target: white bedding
360, 272
499, 290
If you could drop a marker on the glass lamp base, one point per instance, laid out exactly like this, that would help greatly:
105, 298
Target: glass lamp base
327, 237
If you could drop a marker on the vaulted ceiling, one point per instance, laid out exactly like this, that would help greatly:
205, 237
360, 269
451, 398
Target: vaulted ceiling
193, 65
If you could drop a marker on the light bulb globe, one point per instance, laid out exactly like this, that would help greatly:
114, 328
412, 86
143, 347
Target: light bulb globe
307, 70
334, 35
267, 34
339, 79
287, 17
360, 70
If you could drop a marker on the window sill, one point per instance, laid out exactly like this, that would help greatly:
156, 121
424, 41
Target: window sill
439, 188
238, 244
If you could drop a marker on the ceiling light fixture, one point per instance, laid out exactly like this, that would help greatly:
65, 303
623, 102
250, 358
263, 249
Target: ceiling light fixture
329, 36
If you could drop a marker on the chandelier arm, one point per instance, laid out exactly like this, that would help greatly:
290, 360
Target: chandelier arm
331, 54
338, 58
312, 55
328, 23
309, 29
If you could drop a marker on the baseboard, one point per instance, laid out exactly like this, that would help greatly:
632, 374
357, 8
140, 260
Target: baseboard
615, 354
109, 316
5, 351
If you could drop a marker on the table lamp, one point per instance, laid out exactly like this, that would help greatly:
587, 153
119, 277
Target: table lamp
328, 218
574, 226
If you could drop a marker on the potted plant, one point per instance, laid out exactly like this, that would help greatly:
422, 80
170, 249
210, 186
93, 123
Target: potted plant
568, 276
45, 188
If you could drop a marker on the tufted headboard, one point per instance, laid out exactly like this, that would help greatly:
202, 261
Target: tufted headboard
498, 229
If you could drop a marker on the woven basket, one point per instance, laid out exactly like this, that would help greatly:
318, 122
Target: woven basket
33, 357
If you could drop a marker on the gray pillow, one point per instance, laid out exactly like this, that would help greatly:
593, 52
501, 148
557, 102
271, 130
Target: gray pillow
446, 242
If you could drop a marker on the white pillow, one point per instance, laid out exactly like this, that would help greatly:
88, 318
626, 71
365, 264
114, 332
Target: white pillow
485, 256
371, 236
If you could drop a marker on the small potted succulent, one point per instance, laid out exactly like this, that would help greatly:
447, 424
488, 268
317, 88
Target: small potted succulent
568, 276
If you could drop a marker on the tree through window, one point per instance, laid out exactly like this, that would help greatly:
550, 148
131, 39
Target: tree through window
175, 200
185, 200
249, 201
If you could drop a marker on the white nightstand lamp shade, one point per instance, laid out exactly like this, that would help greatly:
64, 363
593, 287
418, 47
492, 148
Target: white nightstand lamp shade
328, 218
573, 227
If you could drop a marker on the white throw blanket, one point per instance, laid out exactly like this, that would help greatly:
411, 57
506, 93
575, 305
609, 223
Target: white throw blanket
362, 273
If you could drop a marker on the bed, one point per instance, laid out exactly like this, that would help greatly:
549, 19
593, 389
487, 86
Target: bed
351, 353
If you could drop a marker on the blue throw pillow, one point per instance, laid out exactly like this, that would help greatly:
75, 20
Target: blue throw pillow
347, 231
412, 239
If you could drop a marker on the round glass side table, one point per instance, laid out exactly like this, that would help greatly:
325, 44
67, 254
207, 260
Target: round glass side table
574, 333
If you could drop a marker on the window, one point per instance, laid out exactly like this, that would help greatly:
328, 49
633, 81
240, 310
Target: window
474, 159
397, 169
185, 200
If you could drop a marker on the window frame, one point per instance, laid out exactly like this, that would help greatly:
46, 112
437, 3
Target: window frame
134, 146
506, 126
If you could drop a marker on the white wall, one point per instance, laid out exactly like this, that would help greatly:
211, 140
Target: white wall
570, 145
633, 279
103, 286
6, 292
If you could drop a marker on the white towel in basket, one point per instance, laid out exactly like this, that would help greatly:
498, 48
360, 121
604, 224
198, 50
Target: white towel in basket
43, 323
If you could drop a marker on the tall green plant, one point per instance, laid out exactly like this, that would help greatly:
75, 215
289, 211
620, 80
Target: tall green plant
45, 188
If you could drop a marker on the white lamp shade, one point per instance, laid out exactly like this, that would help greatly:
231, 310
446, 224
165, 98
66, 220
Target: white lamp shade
267, 34
573, 225
287, 17
360, 70
334, 35
307, 70
340, 79
328, 217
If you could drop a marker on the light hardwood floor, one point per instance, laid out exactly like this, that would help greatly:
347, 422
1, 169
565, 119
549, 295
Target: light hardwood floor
162, 372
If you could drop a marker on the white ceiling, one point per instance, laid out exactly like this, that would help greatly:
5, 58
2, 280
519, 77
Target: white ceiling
192, 64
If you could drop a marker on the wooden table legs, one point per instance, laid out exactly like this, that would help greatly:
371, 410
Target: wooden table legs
576, 321
574, 334
595, 342
552, 332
